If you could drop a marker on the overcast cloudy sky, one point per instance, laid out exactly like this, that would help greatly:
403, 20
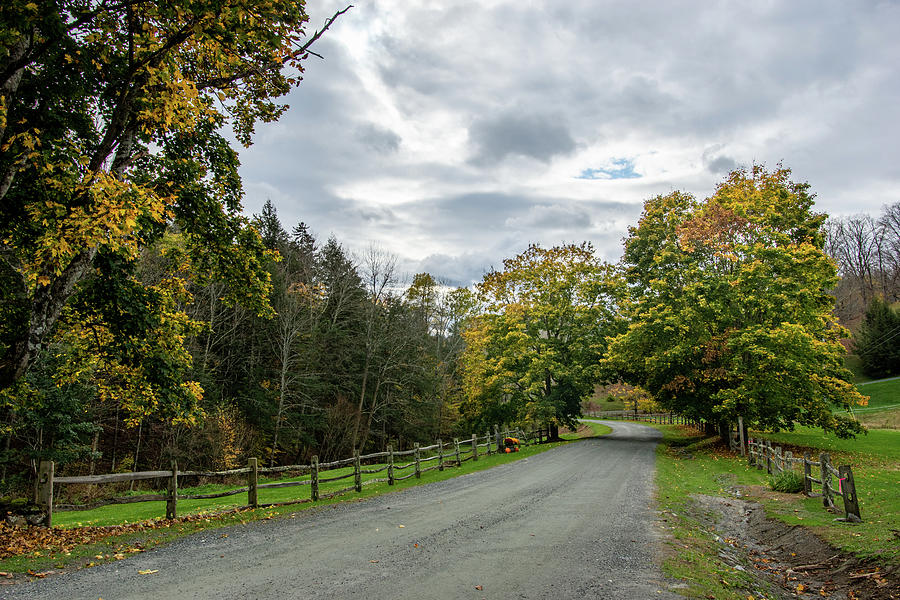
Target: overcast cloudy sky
454, 132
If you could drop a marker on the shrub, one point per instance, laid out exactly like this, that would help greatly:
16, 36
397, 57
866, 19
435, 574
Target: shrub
788, 482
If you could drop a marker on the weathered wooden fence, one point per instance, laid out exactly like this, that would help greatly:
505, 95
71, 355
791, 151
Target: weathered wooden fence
819, 473
445, 454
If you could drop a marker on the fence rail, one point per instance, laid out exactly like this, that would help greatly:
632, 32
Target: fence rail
762, 455
446, 455
658, 418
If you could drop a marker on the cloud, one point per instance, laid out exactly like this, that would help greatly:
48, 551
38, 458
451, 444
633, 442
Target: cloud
456, 271
378, 139
552, 216
716, 162
541, 137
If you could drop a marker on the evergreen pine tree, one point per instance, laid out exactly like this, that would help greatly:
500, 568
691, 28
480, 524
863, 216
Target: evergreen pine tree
878, 340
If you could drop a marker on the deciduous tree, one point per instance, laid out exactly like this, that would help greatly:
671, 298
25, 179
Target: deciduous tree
729, 307
533, 355
109, 134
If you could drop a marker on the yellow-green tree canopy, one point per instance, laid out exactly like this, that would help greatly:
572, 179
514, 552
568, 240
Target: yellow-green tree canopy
728, 307
534, 353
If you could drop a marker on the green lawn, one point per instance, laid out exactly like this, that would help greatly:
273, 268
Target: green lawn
883, 395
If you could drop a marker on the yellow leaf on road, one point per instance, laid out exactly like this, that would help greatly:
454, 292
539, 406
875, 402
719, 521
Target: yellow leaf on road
148, 571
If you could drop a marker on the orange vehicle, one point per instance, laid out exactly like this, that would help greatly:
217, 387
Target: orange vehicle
511, 444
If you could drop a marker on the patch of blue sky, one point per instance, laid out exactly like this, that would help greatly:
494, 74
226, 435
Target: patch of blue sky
620, 168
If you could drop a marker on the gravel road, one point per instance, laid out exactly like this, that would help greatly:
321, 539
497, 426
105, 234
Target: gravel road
573, 522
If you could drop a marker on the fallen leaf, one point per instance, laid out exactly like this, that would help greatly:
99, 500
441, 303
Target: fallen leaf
148, 571
479, 588
401, 525
373, 561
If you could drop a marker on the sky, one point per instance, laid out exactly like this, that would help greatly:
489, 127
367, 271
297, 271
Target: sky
453, 133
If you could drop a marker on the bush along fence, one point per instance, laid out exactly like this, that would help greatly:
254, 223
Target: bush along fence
390, 462
815, 473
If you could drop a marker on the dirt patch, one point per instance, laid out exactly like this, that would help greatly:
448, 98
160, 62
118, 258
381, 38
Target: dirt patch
582, 431
791, 557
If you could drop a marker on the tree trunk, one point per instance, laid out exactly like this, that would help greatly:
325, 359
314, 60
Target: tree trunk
137, 453
724, 431
46, 305
361, 405
553, 431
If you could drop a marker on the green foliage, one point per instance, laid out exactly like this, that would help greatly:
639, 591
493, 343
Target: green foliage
533, 355
789, 482
878, 341
729, 311
109, 137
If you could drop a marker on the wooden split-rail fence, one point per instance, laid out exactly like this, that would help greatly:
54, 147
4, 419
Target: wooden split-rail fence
815, 473
658, 418
445, 455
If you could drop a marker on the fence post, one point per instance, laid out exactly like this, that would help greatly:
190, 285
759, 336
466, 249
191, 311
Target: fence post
314, 479
741, 432
252, 481
418, 465
807, 475
390, 465
847, 488
357, 475
779, 460
498, 439
768, 457
456, 445
488, 440
474, 447
45, 491
827, 500
172, 496
789, 461
440, 455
